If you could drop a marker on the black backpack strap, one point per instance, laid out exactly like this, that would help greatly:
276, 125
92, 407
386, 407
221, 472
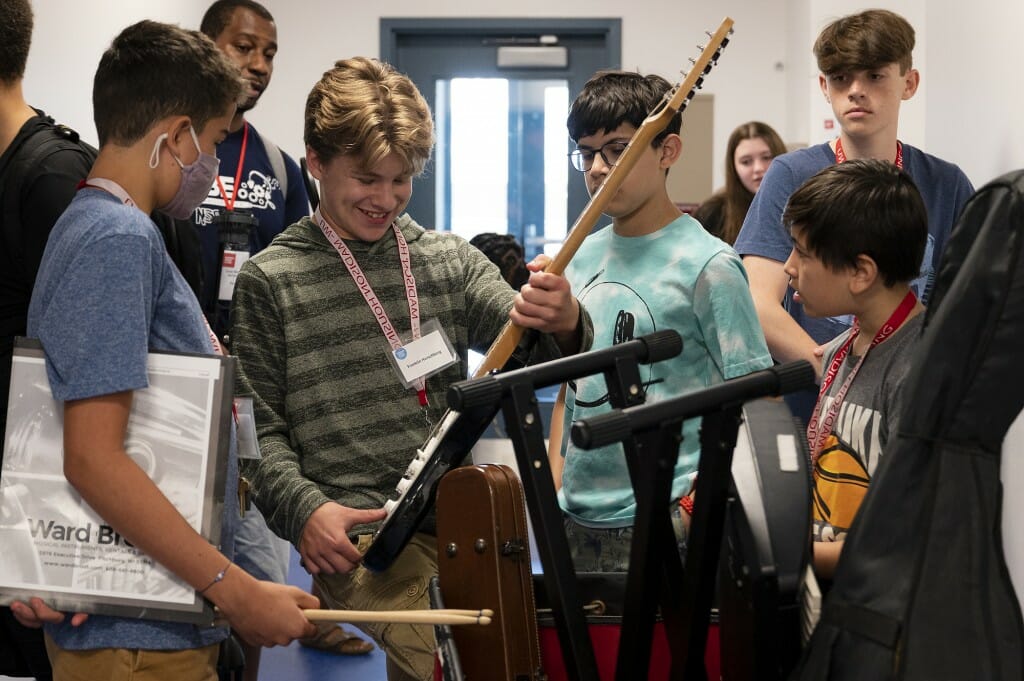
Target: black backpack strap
276, 158
46, 138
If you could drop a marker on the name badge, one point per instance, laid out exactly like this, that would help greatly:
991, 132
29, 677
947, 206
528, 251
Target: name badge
425, 356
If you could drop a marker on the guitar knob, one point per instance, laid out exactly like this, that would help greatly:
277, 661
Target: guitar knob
389, 506
403, 485
415, 466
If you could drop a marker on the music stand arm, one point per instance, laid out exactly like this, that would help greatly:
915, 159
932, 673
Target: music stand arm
719, 431
655, 568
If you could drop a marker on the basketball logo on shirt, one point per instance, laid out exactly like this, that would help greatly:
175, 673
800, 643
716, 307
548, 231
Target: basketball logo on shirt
840, 483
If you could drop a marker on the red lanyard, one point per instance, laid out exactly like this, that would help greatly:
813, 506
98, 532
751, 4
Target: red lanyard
819, 430
110, 187
229, 202
363, 284
841, 155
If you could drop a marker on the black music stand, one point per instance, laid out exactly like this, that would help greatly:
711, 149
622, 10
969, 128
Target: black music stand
656, 576
686, 610
517, 395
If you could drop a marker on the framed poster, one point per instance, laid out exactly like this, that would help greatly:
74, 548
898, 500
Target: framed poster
55, 546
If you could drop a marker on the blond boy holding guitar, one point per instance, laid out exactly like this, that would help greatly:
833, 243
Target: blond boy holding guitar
342, 400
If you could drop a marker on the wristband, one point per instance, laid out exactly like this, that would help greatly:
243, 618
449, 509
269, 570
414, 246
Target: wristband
218, 577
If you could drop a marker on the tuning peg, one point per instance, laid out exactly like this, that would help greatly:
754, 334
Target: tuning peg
697, 85
709, 34
692, 61
725, 41
700, 47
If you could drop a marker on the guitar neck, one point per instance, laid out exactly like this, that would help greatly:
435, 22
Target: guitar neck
675, 102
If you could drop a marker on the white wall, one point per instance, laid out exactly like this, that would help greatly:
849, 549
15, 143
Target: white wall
975, 103
67, 44
965, 111
314, 33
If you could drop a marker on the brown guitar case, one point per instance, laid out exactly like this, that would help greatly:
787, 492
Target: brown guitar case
484, 562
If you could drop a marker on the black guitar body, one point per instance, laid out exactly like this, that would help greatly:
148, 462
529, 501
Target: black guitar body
450, 450
449, 445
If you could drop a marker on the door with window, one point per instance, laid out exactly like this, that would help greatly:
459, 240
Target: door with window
500, 90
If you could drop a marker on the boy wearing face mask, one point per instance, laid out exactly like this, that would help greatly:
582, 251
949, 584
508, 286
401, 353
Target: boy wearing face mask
106, 294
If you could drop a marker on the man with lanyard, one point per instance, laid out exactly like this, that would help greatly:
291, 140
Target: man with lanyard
259, 190
106, 295
351, 327
40, 165
866, 73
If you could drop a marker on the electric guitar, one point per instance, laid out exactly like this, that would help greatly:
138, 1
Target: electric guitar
456, 433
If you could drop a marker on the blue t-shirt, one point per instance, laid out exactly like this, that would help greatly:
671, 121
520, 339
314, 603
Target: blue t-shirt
680, 278
943, 186
107, 293
259, 192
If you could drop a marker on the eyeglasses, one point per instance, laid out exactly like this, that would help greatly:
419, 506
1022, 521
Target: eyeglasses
583, 159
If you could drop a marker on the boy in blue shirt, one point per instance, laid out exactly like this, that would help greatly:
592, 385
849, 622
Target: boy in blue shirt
866, 73
859, 231
106, 294
652, 268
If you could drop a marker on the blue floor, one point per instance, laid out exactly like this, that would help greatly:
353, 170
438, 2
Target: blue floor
296, 663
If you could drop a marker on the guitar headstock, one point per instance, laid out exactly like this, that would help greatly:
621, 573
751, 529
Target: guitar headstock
680, 95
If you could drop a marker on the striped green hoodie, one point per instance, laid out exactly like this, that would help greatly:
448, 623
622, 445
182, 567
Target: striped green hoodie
333, 421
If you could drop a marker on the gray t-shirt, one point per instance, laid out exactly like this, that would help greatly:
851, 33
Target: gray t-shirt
867, 415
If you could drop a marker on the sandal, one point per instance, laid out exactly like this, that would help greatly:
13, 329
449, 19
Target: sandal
331, 638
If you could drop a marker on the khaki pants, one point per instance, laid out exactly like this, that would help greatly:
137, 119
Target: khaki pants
122, 664
410, 648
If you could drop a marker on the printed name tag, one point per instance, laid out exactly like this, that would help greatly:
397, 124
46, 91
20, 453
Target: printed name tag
231, 265
423, 357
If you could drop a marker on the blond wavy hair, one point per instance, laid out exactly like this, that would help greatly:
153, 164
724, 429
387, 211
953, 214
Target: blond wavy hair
366, 109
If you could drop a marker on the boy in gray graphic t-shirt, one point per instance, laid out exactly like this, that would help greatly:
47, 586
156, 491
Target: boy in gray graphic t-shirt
859, 231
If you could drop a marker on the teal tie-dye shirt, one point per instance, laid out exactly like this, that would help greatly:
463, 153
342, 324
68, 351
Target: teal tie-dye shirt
680, 278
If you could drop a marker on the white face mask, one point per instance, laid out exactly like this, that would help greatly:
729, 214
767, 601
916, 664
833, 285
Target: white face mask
196, 179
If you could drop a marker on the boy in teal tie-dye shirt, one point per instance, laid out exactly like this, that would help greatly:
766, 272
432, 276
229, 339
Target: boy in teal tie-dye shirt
652, 268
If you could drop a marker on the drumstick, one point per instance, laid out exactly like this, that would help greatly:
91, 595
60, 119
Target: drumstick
401, 616
483, 612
